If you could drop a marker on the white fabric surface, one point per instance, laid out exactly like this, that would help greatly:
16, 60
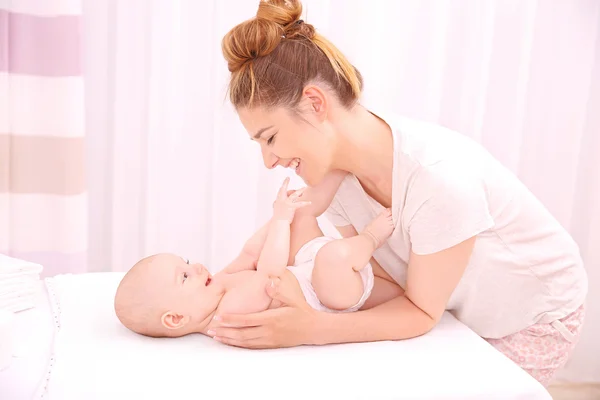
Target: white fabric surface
97, 358
10, 266
32, 333
18, 294
6, 338
18, 284
19, 280
18, 303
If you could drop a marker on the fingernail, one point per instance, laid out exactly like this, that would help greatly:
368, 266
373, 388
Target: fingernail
217, 317
211, 332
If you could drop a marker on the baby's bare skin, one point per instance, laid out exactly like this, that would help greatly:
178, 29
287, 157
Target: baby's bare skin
241, 287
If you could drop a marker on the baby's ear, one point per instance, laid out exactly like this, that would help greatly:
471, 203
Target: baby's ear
171, 320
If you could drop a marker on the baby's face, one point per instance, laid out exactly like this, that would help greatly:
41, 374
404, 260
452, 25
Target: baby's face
176, 296
184, 289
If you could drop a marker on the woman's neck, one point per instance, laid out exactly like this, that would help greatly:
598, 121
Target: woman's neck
365, 147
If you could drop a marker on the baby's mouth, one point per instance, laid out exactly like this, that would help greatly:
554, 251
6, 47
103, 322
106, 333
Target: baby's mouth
208, 281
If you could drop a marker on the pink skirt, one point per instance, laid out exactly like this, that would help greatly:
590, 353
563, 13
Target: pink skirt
542, 349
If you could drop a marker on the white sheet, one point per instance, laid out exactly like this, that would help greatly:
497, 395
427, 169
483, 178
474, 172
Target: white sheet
96, 358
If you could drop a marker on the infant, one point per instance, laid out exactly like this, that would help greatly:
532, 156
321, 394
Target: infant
165, 296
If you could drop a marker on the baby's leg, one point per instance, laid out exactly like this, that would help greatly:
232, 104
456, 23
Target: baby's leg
336, 277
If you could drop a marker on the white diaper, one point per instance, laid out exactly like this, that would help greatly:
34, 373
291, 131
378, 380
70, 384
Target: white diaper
303, 267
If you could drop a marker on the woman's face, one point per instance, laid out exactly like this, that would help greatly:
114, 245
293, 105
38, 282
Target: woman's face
284, 137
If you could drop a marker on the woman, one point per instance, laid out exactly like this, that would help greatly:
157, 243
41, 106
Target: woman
469, 237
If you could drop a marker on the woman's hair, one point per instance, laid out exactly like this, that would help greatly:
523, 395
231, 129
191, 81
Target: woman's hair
273, 56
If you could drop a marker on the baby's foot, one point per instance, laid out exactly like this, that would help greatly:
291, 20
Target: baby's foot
381, 228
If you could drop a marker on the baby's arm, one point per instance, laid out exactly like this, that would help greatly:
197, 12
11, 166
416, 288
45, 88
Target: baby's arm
248, 257
276, 252
321, 195
273, 259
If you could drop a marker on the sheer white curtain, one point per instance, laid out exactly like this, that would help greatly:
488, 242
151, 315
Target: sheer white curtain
171, 168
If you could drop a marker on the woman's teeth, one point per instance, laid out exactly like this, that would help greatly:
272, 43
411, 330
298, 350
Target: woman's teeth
294, 164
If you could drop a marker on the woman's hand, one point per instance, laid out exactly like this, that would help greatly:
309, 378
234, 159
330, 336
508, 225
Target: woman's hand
288, 326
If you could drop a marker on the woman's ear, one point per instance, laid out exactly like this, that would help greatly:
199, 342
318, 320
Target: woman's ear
317, 102
171, 320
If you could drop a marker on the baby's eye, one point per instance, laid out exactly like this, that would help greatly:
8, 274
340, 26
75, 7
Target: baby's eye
185, 275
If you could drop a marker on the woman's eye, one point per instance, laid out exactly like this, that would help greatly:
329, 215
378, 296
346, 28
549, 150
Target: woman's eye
271, 139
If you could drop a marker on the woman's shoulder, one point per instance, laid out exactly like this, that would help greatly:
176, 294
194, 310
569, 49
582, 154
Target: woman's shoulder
346, 189
414, 130
420, 143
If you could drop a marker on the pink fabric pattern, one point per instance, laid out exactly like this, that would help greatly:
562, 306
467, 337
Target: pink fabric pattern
542, 349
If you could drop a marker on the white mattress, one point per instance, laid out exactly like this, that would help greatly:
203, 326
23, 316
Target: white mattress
82, 352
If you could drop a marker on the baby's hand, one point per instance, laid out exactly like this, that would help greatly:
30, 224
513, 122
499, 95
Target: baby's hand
285, 205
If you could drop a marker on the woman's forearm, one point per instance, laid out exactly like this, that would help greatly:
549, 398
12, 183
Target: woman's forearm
275, 254
394, 320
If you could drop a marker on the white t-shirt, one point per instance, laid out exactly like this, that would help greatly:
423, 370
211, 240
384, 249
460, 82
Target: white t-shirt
525, 268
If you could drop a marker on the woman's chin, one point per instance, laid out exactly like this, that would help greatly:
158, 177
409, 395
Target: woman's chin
310, 176
305, 179
311, 180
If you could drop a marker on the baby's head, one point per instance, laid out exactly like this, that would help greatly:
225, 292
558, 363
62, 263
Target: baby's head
165, 296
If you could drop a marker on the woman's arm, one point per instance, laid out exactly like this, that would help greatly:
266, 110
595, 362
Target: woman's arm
450, 210
430, 282
298, 324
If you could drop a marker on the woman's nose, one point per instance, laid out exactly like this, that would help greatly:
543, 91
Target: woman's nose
269, 159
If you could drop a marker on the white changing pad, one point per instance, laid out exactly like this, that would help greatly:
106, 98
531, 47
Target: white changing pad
94, 357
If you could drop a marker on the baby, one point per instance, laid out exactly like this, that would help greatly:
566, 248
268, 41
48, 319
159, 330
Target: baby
165, 296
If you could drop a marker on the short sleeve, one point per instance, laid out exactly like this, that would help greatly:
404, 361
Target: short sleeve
449, 205
336, 215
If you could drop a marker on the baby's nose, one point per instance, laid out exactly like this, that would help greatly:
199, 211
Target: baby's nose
198, 268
